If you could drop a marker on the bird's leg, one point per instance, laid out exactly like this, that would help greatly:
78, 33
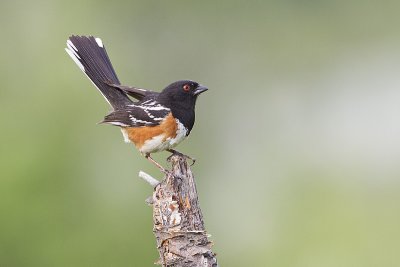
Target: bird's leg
147, 156
173, 151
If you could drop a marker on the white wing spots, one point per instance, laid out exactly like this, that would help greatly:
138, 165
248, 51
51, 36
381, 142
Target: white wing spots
158, 107
149, 106
135, 120
75, 58
148, 114
152, 116
99, 42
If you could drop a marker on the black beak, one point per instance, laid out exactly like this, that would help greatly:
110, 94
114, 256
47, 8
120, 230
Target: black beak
200, 89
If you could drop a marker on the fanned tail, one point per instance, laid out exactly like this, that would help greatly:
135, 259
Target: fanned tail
91, 57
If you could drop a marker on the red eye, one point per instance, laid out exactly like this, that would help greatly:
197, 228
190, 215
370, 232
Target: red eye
186, 87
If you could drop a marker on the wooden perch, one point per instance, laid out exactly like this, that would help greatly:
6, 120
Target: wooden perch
178, 222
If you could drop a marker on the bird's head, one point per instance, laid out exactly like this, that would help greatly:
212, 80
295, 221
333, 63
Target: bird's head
181, 94
181, 98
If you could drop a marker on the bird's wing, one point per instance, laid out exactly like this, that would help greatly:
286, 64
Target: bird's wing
147, 113
138, 93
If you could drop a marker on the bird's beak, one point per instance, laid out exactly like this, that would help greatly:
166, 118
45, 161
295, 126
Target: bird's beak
200, 89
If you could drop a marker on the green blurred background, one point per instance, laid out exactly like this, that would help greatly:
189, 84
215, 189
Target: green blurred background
297, 139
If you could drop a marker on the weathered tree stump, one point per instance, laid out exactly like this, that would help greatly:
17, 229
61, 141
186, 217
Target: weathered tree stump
178, 221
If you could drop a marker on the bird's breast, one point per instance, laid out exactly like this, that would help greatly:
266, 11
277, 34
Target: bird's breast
169, 133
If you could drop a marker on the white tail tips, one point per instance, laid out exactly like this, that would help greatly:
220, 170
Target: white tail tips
99, 42
71, 50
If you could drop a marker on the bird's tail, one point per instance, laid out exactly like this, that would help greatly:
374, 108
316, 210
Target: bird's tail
91, 57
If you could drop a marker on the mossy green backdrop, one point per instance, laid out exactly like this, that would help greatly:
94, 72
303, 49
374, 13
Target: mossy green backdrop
297, 141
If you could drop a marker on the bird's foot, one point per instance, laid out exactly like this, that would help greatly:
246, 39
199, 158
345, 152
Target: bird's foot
148, 157
174, 152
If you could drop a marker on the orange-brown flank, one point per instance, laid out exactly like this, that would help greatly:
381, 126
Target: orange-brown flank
139, 135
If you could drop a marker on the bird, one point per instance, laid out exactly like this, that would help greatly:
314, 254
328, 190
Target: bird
155, 121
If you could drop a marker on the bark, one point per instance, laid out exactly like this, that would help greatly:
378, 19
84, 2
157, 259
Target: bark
178, 221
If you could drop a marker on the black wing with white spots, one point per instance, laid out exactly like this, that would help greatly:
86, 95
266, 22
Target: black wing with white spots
147, 113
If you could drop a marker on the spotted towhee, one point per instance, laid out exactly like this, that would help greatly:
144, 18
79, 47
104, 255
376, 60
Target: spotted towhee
157, 121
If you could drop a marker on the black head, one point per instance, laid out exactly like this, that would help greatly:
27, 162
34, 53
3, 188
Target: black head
181, 98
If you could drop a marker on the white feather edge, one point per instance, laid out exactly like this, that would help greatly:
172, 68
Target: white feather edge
75, 58
71, 51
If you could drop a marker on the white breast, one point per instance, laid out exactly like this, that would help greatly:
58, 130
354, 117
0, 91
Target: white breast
180, 134
160, 143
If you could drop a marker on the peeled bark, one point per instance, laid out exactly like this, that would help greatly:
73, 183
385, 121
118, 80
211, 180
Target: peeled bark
178, 221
